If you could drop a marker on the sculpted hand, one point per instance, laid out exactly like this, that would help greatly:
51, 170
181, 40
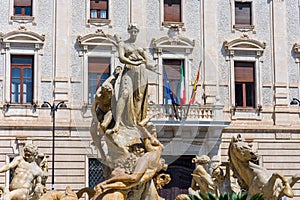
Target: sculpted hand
152, 67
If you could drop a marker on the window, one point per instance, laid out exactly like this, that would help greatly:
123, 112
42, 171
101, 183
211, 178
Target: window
99, 55
98, 72
244, 84
243, 13
99, 9
95, 172
174, 74
23, 7
22, 69
21, 79
172, 10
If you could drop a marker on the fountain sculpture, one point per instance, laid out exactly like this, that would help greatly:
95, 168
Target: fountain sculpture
130, 152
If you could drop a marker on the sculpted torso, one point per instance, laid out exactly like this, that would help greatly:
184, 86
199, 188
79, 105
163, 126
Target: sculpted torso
24, 174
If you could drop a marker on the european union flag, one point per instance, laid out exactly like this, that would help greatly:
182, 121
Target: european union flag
170, 93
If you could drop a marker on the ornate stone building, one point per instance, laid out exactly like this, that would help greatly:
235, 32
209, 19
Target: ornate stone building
248, 53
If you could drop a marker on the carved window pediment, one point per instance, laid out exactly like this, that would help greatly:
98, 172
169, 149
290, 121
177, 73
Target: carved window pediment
97, 38
244, 43
23, 36
176, 43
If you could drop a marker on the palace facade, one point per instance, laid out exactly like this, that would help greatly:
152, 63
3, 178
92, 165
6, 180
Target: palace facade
245, 51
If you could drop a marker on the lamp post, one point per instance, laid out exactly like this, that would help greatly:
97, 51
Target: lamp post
53, 108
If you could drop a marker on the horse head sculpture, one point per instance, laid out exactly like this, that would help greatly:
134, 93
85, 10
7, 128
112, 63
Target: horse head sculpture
242, 150
255, 178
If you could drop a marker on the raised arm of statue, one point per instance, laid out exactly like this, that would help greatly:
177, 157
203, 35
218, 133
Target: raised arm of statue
11, 165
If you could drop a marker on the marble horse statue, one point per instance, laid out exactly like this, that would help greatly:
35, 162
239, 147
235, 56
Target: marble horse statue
255, 178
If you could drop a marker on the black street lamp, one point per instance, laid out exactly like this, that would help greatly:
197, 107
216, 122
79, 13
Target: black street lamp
53, 110
295, 101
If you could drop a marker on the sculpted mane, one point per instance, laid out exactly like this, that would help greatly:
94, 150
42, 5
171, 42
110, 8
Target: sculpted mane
254, 178
236, 174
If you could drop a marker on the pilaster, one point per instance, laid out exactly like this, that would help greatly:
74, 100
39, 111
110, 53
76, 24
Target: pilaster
62, 41
210, 51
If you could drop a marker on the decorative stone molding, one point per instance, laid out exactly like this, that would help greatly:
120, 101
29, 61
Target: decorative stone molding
244, 43
100, 22
22, 36
244, 28
173, 24
94, 39
23, 19
173, 42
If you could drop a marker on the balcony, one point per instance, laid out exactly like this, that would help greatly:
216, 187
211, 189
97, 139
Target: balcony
187, 115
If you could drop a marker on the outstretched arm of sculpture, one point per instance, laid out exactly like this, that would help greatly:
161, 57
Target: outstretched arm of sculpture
11, 165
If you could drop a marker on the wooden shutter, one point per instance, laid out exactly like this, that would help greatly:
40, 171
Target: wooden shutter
243, 13
172, 11
173, 69
99, 65
244, 71
98, 5
22, 2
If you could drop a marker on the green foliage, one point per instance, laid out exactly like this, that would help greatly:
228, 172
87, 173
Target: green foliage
257, 197
226, 196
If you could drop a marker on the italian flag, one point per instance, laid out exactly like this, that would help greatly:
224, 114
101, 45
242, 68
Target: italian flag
182, 88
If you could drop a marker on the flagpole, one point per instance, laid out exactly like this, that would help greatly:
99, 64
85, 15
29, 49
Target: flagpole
194, 90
